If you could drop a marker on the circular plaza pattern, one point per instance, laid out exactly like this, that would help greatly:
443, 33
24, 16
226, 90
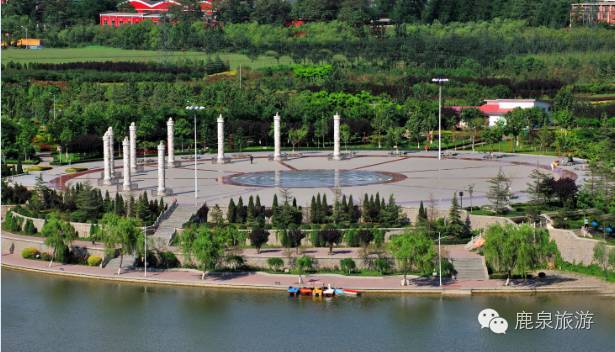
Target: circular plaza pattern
410, 178
312, 178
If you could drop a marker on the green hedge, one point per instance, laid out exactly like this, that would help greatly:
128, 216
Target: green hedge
30, 253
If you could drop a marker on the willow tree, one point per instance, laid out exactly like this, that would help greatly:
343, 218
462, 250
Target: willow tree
413, 250
120, 234
58, 235
207, 249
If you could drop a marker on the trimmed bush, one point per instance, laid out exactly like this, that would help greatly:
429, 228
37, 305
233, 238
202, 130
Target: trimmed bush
73, 169
94, 260
275, 263
30, 253
348, 265
305, 263
38, 168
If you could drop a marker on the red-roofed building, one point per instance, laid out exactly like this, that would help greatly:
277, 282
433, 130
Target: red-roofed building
145, 11
495, 109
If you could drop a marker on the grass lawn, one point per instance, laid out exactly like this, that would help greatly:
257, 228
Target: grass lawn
101, 53
504, 147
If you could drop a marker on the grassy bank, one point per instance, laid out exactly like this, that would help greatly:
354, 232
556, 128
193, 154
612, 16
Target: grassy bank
101, 53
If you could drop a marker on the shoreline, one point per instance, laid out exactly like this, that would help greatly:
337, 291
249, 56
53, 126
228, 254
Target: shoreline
432, 291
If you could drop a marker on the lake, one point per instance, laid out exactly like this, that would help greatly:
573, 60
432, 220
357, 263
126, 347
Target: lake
56, 314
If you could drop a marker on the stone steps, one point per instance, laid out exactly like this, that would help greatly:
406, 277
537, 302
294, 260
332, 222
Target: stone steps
127, 262
166, 228
470, 268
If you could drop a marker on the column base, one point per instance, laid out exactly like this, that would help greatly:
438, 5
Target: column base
130, 187
221, 161
175, 163
164, 192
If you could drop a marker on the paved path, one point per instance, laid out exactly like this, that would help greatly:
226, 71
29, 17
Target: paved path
557, 282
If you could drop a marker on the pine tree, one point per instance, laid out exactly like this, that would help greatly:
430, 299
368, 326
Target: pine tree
19, 168
319, 216
295, 203
118, 205
421, 218
352, 214
231, 212
241, 211
107, 203
313, 211
325, 208
258, 208
499, 192
251, 212
454, 222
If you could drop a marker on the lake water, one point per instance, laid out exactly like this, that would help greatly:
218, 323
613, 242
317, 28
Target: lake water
43, 313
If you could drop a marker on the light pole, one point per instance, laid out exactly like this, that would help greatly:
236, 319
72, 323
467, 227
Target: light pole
439, 81
194, 109
440, 259
145, 251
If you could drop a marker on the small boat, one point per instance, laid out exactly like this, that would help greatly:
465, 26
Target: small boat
352, 292
339, 291
329, 291
317, 291
293, 291
305, 291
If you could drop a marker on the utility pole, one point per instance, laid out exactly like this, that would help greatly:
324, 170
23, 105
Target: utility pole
439, 81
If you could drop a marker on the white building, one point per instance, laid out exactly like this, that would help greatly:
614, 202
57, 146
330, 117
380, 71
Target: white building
495, 109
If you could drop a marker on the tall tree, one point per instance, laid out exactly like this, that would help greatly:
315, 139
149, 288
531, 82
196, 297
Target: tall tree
58, 235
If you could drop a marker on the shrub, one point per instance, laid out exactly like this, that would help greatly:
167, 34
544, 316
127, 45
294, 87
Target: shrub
29, 228
38, 168
30, 253
350, 237
235, 262
382, 265
168, 260
275, 263
74, 169
305, 263
94, 260
348, 265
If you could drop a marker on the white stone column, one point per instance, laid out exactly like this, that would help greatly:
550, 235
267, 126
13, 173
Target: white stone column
161, 176
220, 139
133, 147
111, 157
336, 137
171, 142
277, 155
127, 185
106, 170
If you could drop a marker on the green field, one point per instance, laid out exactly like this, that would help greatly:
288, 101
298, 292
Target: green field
100, 53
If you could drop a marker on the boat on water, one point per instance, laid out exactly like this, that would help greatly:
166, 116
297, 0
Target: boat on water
352, 292
305, 291
329, 291
317, 292
339, 291
293, 291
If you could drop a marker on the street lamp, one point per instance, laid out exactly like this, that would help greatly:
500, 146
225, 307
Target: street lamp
440, 259
194, 109
440, 81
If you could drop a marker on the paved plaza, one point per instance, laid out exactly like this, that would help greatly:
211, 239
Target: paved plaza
418, 176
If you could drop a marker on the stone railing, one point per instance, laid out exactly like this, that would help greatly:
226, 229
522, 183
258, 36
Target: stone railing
82, 228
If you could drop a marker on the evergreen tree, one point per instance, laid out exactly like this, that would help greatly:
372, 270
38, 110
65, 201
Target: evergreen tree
28, 227
295, 203
231, 212
251, 212
258, 208
313, 211
118, 205
421, 217
324, 209
455, 226
107, 203
319, 212
353, 214
19, 168
241, 211
499, 192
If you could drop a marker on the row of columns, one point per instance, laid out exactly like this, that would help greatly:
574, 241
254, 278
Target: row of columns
129, 150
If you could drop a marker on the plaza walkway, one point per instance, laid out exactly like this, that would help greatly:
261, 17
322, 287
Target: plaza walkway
556, 282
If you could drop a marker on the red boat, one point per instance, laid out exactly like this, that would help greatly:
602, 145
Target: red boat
352, 292
305, 291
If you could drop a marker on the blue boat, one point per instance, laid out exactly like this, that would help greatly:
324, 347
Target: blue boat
339, 292
293, 291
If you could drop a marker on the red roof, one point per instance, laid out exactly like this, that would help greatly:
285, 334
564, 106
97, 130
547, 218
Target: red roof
487, 109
